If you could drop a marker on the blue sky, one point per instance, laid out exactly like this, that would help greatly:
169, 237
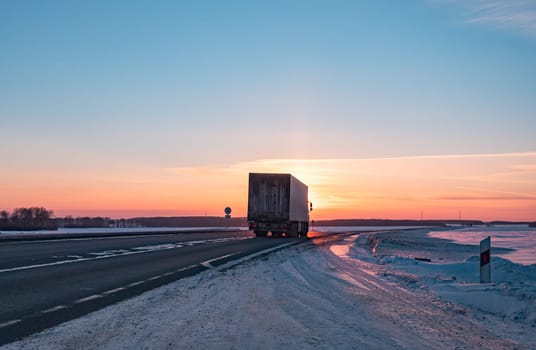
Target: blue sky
94, 85
340, 78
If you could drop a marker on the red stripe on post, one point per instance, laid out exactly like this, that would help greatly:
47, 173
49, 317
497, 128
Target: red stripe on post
484, 258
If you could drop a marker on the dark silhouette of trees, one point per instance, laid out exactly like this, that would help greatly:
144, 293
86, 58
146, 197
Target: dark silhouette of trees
39, 218
68, 221
84, 222
33, 218
4, 217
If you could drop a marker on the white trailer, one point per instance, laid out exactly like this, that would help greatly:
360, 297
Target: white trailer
277, 203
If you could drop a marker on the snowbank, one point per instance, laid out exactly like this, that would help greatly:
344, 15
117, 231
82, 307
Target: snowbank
328, 294
517, 242
453, 275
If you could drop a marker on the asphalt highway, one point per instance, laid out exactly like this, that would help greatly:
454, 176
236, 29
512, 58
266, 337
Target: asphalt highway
44, 283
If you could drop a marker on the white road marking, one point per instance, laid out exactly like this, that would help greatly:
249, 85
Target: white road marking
81, 239
9, 323
154, 278
208, 264
65, 262
111, 291
133, 235
159, 247
74, 256
169, 273
186, 268
110, 252
139, 250
56, 308
191, 243
135, 284
91, 297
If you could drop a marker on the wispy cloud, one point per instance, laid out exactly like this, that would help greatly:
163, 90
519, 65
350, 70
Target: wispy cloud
518, 15
483, 198
516, 195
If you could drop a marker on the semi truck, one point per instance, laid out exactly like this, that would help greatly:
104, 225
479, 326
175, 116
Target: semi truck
277, 204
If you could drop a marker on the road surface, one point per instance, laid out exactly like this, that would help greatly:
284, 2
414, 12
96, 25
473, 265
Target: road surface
44, 283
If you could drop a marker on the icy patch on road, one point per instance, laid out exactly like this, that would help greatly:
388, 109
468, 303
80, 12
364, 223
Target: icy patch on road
331, 294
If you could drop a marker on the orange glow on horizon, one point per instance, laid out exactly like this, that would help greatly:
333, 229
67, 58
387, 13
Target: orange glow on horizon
486, 187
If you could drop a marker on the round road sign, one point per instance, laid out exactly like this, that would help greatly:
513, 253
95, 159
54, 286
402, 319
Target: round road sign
227, 210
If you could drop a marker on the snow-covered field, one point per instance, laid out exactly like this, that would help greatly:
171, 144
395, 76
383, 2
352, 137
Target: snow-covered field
517, 242
364, 291
75, 231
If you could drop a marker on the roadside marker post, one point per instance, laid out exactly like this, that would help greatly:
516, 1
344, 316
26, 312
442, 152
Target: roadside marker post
485, 260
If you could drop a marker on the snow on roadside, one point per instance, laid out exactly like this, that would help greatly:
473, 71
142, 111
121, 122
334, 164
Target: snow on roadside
104, 230
328, 294
507, 306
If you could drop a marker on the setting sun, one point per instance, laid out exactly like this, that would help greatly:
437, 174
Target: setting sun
478, 186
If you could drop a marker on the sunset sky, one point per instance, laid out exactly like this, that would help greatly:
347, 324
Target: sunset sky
386, 109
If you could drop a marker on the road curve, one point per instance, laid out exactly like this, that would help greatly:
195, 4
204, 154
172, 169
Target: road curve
44, 283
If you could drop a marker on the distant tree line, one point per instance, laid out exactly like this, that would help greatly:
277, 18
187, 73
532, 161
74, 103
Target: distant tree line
33, 218
389, 222
39, 218
82, 222
191, 221
94, 222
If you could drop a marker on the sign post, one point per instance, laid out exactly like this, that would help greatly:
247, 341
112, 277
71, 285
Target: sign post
485, 260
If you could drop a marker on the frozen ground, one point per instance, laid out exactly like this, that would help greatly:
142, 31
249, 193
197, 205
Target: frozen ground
75, 231
518, 242
329, 295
